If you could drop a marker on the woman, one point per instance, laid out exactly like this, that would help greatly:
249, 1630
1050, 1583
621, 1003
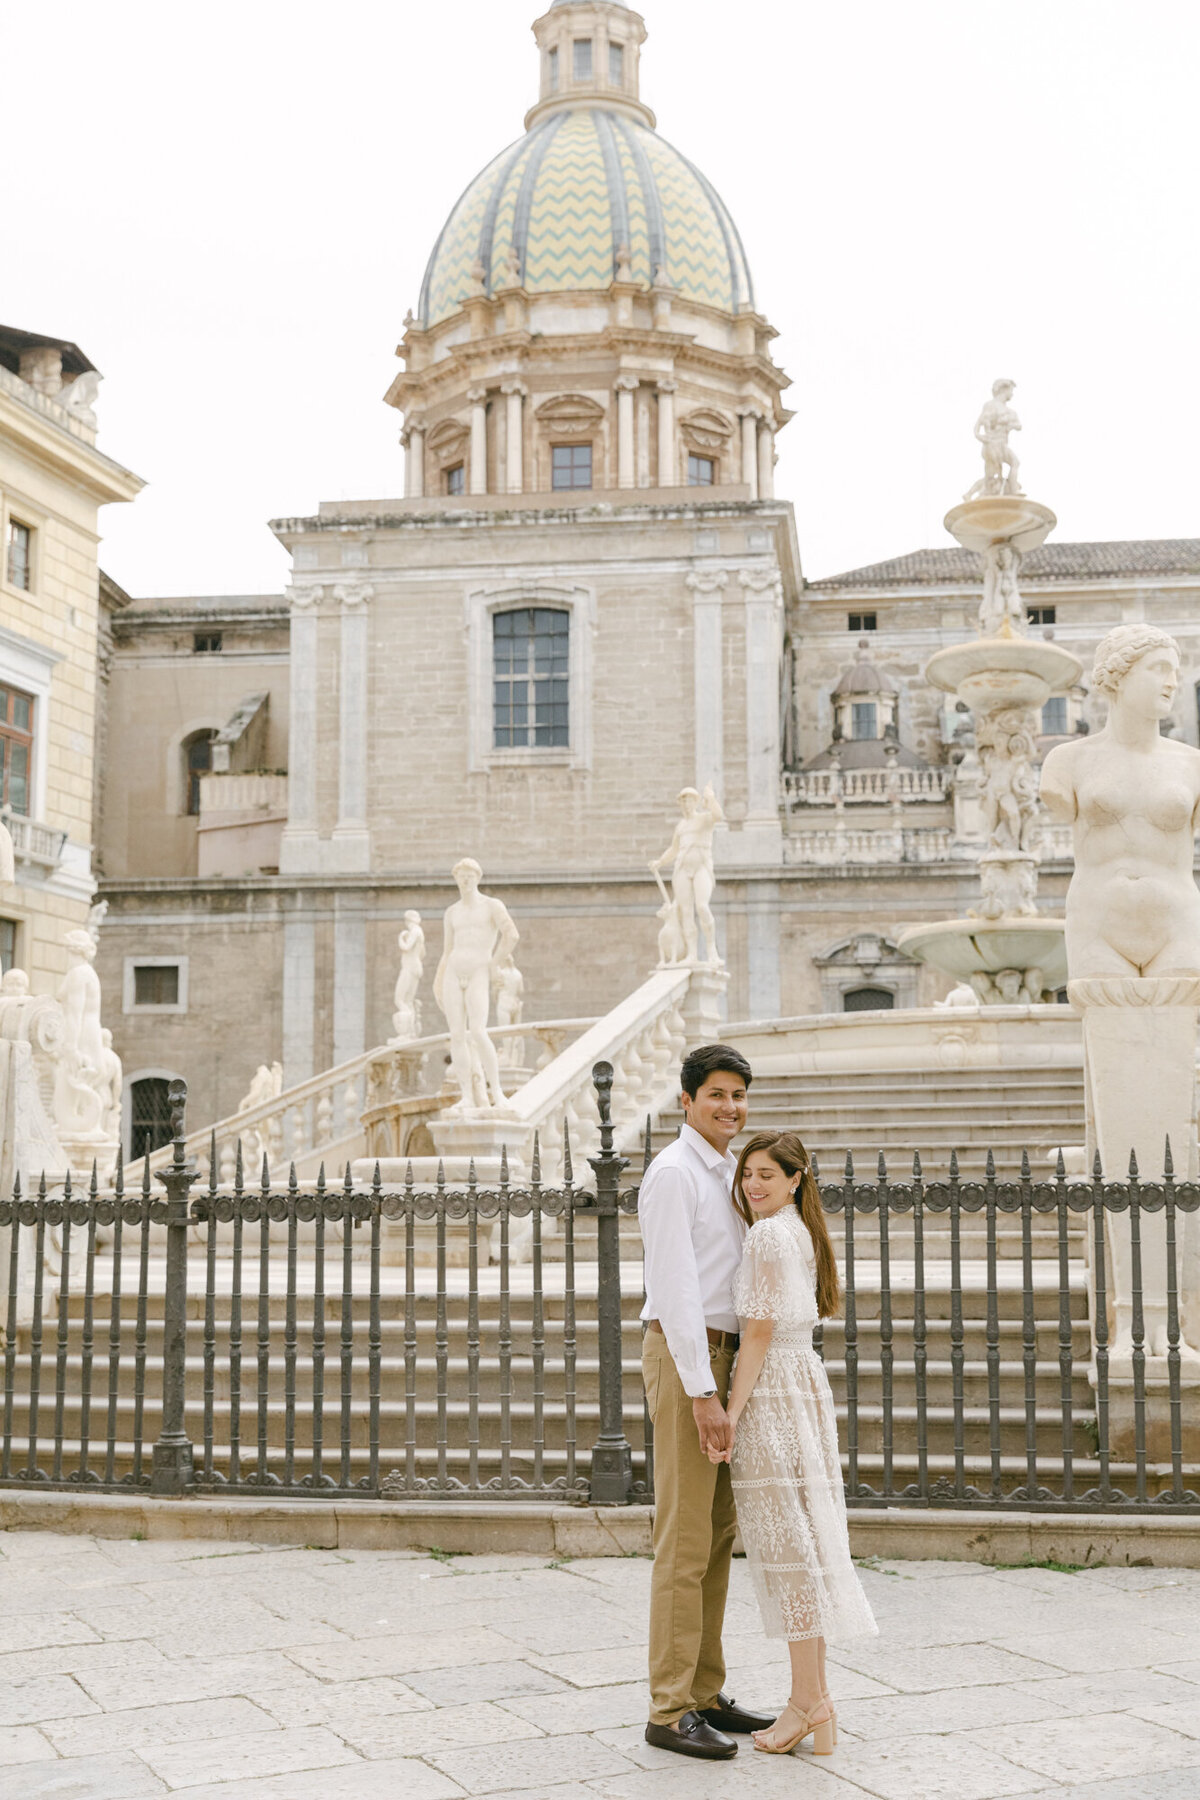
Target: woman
787, 1479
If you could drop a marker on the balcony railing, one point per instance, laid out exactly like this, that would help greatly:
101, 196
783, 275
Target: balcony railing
33, 842
862, 787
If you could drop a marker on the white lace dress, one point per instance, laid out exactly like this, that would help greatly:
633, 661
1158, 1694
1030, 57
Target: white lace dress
787, 1479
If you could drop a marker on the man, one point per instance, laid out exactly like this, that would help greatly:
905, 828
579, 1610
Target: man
693, 1247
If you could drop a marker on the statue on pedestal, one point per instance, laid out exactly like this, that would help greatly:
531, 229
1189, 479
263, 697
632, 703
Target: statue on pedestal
406, 1018
690, 853
1132, 798
992, 429
478, 936
508, 988
83, 1085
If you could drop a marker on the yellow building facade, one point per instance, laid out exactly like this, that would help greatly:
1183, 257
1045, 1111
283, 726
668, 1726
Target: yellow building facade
53, 626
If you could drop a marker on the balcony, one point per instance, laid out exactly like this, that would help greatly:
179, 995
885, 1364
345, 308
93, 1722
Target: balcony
34, 844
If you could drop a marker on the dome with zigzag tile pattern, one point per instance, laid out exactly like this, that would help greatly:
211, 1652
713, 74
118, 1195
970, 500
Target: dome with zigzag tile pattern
553, 210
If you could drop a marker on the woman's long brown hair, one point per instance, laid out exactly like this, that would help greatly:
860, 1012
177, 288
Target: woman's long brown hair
787, 1151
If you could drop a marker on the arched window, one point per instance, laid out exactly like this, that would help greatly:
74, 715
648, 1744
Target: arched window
197, 755
868, 999
530, 677
150, 1116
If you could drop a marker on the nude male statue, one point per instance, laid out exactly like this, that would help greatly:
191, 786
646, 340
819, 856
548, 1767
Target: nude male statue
478, 937
1133, 798
992, 429
690, 853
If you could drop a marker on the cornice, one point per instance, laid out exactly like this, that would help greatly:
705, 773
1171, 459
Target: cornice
59, 451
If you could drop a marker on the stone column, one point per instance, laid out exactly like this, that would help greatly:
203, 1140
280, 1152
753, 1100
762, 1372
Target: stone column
298, 850
299, 996
762, 833
479, 444
708, 587
668, 474
626, 386
762, 950
514, 443
413, 439
766, 462
749, 417
349, 979
351, 834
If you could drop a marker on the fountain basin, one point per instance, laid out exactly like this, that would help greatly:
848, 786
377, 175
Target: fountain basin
966, 947
989, 673
1000, 519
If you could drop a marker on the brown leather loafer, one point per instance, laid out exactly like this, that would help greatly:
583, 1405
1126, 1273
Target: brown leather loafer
726, 1715
693, 1736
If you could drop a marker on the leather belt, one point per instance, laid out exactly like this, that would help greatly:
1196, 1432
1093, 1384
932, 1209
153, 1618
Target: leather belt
720, 1340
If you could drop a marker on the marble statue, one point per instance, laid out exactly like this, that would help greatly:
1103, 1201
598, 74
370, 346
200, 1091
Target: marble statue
992, 428
406, 1018
478, 937
113, 1078
81, 395
266, 1084
508, 988
1132, 798
690, 854
1002, 610
1009, 799
671, 947
962, 994
82, 1092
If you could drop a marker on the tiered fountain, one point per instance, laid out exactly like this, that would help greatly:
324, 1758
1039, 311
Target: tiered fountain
1004, 948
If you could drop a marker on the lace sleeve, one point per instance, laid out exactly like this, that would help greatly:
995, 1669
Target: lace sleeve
776, 1280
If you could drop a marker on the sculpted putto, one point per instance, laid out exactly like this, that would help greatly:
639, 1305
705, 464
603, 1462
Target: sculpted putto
1133, 799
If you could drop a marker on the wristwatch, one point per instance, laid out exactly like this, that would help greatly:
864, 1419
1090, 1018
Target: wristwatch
711, 1394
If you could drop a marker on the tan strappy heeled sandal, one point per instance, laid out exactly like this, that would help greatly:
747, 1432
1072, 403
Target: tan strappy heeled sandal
824, 1732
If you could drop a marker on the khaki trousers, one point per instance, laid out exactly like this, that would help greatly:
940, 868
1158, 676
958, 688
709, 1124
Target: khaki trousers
694, 1529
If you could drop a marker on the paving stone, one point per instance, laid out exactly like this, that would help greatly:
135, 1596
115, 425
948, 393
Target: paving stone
750, 1776
596, 1668
1133, 1647
46, 1630
1098, 1746
403, 1780
31, 1698
486, 1681
443, 1728
174, 1681
146, 1727
592, 1709
1172, 1784
947, 1710
83, 1778
539, 1763
924, 1670
78, 1659
22, 1744
928, 1768
1112, 1690
345, 1660
1176, 1715
339, 1704
254, 1753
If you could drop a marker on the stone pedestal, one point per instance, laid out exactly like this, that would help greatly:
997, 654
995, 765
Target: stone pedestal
1139, 1066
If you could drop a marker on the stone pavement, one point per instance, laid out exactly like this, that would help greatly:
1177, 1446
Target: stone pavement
229, 1672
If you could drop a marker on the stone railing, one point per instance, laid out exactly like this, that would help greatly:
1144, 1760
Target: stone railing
33, 842
859, 787
254, 792
837, 848
324, 1118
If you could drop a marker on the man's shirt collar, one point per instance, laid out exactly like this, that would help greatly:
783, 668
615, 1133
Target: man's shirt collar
713, 1158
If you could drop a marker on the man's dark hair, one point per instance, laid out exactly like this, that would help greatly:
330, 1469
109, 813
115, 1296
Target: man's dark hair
699, 1064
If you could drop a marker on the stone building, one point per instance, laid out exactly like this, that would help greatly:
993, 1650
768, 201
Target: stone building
55, 613
587, 598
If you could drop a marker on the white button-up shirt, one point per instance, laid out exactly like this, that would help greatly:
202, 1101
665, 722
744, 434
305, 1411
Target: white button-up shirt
692, 1238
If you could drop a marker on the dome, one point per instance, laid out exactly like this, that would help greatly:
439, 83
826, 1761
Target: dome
862, 677
555, 207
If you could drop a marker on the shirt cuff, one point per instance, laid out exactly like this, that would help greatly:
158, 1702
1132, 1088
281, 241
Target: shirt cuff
697, 1381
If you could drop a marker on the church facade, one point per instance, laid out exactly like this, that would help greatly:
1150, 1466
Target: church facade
587, 598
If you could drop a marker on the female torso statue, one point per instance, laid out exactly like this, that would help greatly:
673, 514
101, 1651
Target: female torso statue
1133, 799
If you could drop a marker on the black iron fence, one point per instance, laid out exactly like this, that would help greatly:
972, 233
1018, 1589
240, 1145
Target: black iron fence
484, 1341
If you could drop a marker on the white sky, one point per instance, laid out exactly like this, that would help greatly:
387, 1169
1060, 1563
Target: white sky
229, 206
